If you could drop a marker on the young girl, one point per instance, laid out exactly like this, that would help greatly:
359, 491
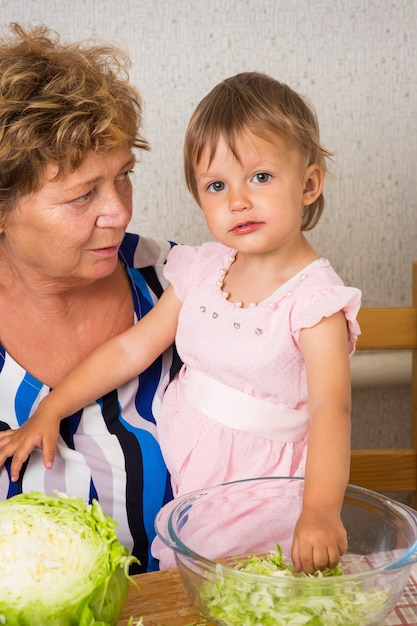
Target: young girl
263, 324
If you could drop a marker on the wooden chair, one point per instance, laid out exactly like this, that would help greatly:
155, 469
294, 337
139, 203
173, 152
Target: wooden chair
390, 470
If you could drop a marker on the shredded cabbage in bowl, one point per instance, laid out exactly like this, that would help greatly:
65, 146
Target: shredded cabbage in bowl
61, 563
236, 601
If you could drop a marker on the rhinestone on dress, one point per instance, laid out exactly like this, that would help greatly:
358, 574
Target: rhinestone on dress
258, 331
214, 315
236, 325
203, 309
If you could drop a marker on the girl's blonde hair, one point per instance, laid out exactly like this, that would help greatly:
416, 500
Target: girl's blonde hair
256, 102
58, 102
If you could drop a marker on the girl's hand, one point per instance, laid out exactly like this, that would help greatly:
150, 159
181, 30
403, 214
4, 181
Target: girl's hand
319, 540
40, 431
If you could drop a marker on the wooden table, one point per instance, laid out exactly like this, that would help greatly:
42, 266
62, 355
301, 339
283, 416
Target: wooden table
162, 601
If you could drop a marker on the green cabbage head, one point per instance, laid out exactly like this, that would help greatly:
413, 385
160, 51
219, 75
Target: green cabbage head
61, 563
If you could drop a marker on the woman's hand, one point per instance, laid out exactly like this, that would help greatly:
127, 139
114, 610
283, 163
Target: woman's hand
319, 540
40, 431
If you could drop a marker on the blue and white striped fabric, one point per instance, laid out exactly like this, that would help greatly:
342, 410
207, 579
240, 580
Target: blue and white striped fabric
108, 451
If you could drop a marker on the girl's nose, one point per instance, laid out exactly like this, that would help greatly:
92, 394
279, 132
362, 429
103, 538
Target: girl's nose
239, 200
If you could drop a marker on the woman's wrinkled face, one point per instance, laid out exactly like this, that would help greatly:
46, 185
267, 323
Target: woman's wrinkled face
70, 229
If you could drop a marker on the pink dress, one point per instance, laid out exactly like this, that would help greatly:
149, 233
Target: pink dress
238, 408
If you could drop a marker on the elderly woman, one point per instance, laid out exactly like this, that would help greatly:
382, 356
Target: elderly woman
71, 277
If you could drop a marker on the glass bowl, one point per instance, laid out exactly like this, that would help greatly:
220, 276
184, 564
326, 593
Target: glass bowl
211, 529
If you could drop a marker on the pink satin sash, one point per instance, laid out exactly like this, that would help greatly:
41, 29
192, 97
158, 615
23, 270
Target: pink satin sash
241, 411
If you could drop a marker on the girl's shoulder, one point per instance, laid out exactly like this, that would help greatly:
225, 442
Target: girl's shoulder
198, 258
317, 274
319, 284
319, 293
188, 266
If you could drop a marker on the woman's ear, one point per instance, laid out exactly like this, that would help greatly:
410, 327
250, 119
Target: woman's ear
313, 183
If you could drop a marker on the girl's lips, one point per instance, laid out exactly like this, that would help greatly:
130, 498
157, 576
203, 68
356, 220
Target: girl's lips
246, 227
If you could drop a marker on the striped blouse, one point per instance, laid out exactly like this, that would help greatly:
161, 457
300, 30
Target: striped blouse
108, 451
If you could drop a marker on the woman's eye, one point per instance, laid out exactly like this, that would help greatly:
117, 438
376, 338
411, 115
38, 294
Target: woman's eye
124, 176
123, 181
262, 177
216, 186
84, 197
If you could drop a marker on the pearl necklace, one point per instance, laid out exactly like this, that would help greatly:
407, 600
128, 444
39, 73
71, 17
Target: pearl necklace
226, 295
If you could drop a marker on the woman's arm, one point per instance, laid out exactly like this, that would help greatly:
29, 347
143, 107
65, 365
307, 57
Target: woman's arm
112, 364
320, 538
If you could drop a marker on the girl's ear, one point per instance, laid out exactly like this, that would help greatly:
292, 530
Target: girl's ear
313, 183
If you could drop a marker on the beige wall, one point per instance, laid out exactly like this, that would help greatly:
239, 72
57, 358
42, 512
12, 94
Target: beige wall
356, 60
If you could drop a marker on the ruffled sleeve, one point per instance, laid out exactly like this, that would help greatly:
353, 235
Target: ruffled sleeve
179, 268
324, 303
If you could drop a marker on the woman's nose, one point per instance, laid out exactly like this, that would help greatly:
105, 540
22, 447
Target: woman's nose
114, 213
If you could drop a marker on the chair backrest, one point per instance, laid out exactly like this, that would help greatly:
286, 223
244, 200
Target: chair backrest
390, 470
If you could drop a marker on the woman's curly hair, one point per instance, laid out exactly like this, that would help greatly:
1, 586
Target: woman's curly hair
58, 101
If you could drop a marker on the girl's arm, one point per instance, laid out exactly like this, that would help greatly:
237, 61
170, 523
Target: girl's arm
119, 359
112, 364
320, 538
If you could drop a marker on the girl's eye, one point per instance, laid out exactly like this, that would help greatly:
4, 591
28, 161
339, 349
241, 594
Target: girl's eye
262, 177
216, 186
